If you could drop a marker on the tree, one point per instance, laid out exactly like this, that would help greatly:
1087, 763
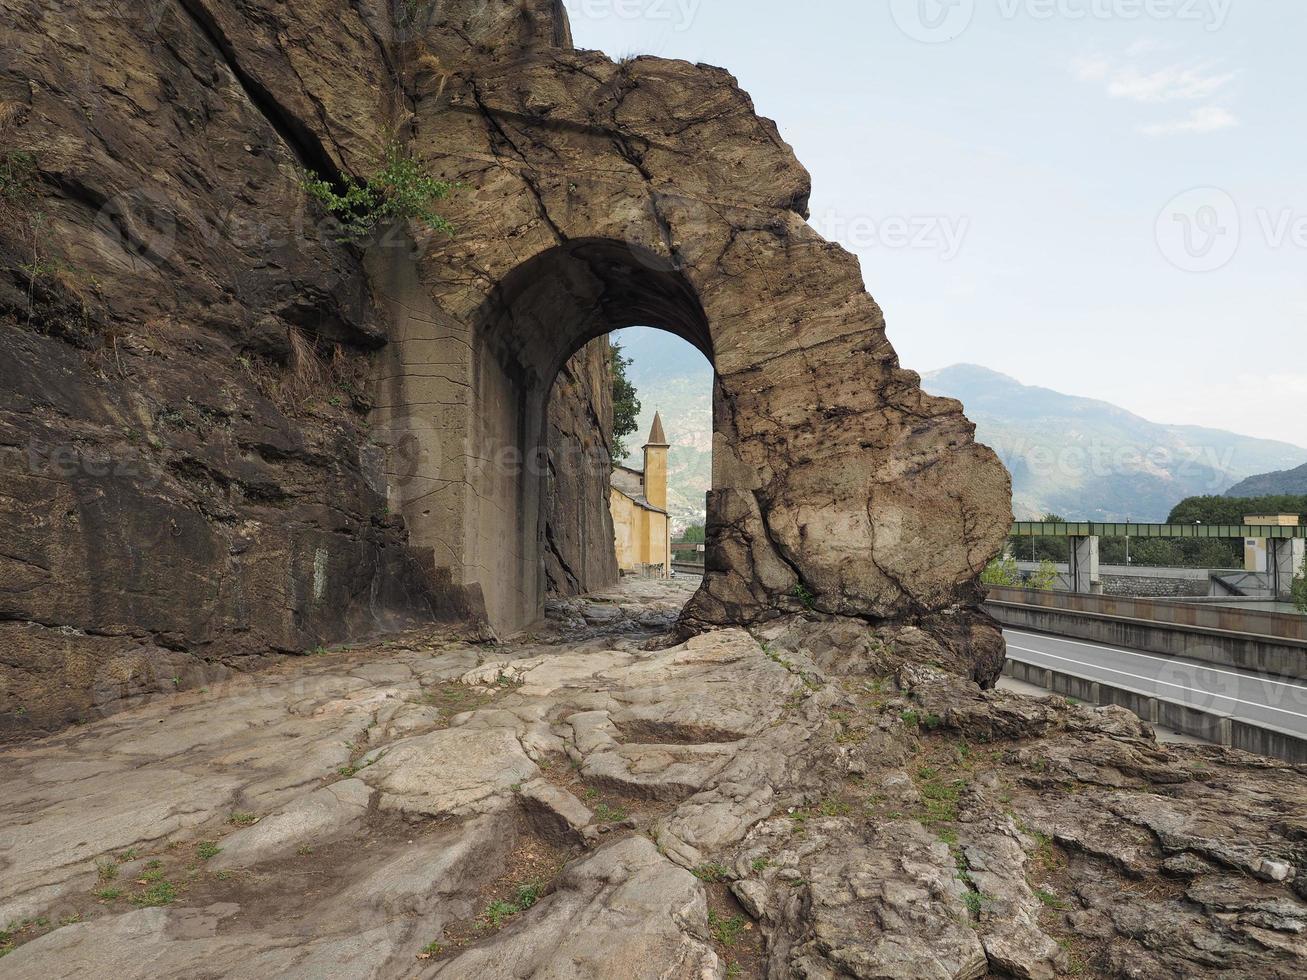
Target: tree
1044, 579
626, 407
1300, 588
1002, 572
1232, 510
694, 534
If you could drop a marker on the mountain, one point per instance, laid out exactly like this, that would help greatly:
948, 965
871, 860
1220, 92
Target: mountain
1272, 484
1090, 460
672, 377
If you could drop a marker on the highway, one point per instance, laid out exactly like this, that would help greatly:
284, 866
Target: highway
1258, 699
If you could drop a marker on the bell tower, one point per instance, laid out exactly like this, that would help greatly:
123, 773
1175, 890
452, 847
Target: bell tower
655, 465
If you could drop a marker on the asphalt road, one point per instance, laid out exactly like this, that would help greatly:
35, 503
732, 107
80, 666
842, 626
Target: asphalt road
1248, 696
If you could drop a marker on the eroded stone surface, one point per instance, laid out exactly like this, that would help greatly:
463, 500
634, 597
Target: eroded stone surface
226, 433
872, 819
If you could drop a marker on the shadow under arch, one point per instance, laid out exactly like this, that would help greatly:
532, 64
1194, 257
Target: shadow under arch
539, 315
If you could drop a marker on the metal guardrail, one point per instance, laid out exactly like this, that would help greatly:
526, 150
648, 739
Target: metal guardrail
1093, 529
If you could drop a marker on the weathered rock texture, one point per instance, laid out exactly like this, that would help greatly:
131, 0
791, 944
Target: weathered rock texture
603, 195
579, 554
805, 802
225, 433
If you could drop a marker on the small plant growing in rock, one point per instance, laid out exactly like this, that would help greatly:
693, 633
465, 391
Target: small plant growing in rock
241, 818
206, 849
1300, 588
17, 175
805, 596
107, 870
498, 911
974, 902
726, 930
107, 894
528, 895
1049, 899
609, 814
712, 872
158, 894
400, 191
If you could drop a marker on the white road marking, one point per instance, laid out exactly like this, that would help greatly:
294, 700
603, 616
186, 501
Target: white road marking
1168, 660
1154, 680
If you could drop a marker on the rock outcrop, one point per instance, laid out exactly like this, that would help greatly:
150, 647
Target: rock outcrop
803, 801
226, 433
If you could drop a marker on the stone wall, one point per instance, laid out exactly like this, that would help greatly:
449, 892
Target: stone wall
1159, 585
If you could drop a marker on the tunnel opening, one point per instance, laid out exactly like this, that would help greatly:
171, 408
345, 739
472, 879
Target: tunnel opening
630, 420
539, 317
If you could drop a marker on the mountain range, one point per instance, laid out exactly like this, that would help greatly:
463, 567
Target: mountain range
1272, 484
1078, 457
1086, 459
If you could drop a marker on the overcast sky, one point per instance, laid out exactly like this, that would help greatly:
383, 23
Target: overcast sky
1106, 197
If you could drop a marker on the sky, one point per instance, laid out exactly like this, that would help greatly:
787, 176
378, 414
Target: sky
1104, 197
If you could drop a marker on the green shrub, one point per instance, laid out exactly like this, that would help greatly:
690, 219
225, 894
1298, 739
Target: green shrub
400, 191
1045, 578
1300, 588
1002, 572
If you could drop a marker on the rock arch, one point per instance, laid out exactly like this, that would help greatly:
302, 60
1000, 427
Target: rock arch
602, 195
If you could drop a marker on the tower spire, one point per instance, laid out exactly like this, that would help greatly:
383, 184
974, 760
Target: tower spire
656, 435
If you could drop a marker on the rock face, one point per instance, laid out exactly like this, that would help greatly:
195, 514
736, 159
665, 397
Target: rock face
579, 555
649, 192
227, 433
800, 802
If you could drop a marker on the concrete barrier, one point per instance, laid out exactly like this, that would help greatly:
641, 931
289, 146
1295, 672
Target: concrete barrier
1262, 642
1210, 726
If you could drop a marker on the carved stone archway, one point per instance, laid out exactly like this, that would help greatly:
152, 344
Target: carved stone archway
602, 195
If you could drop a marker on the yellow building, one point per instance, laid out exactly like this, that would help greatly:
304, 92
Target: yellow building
638, 500
1254, 549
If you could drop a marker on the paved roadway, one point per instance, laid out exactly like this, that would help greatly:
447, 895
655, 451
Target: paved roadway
1262, 700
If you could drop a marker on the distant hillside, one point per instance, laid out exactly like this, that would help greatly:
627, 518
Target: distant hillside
1091, 460
672, 377
1272, 484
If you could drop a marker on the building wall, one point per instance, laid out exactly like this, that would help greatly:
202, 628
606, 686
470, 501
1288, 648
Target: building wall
641, 536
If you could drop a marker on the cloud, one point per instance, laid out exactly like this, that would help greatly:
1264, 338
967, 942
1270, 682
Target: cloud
1175, 83
1206, 119
1178, 82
